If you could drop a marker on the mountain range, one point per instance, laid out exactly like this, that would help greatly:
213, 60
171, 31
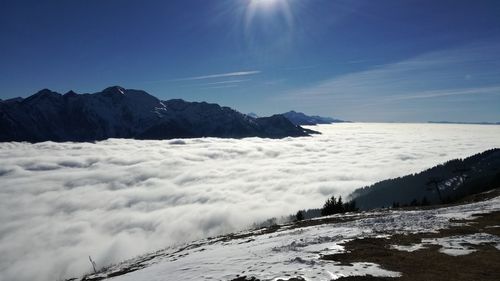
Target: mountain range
301, 119
116, 112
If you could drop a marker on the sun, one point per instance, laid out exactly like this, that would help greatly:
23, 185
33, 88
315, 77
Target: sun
263, 3
268, 8
263, 17
268, 4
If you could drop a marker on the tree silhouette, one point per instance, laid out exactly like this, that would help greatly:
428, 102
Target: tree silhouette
329, 207
339, 205
351, 206
414, 202
435, 182
462, 171
424, 202
299, 216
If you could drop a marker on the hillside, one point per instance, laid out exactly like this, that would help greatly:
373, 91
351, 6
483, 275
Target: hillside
384, 244
443, 183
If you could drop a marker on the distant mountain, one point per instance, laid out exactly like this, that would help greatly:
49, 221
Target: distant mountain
116, 112
299, 118
444, 183
470, 123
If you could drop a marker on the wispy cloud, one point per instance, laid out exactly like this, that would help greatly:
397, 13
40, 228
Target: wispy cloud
435, 74
448, 92
219, 75
221, 87
228, 82
385, 100
437, 80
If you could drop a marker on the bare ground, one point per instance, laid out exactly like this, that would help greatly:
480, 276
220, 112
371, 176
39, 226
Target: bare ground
429, 263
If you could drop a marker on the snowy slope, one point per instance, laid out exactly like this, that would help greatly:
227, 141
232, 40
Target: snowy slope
289, 251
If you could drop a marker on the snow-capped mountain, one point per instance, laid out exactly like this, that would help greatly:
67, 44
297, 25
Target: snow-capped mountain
116, 112
299, 118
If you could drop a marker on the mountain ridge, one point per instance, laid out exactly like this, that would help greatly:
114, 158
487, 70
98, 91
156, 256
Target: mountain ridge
116, 112
301, 119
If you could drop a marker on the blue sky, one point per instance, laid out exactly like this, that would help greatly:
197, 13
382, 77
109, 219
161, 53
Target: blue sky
362, 60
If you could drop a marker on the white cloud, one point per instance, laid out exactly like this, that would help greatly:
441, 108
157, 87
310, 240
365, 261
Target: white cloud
219, 75
228, 82
61, 202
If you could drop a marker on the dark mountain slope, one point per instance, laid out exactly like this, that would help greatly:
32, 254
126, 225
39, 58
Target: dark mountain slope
443, 183
299, 118
116, 112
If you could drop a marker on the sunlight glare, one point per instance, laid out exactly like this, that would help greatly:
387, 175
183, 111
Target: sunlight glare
263, 2
267, 4
269, 7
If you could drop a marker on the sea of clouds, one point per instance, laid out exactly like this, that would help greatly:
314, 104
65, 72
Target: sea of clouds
112, 200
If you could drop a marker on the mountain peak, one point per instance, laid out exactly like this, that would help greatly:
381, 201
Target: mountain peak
295, 113
44, 92
114, 90
70, 93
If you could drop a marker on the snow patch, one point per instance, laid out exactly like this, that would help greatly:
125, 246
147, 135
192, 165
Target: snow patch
462, 245
454, 245
410, 248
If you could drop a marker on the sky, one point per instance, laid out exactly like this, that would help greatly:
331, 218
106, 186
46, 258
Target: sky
360, 60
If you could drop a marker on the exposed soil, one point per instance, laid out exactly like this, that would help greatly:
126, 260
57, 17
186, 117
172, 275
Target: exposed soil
245, 278
428, 263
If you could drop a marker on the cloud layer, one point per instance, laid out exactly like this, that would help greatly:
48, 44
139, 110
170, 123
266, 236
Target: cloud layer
61, 202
